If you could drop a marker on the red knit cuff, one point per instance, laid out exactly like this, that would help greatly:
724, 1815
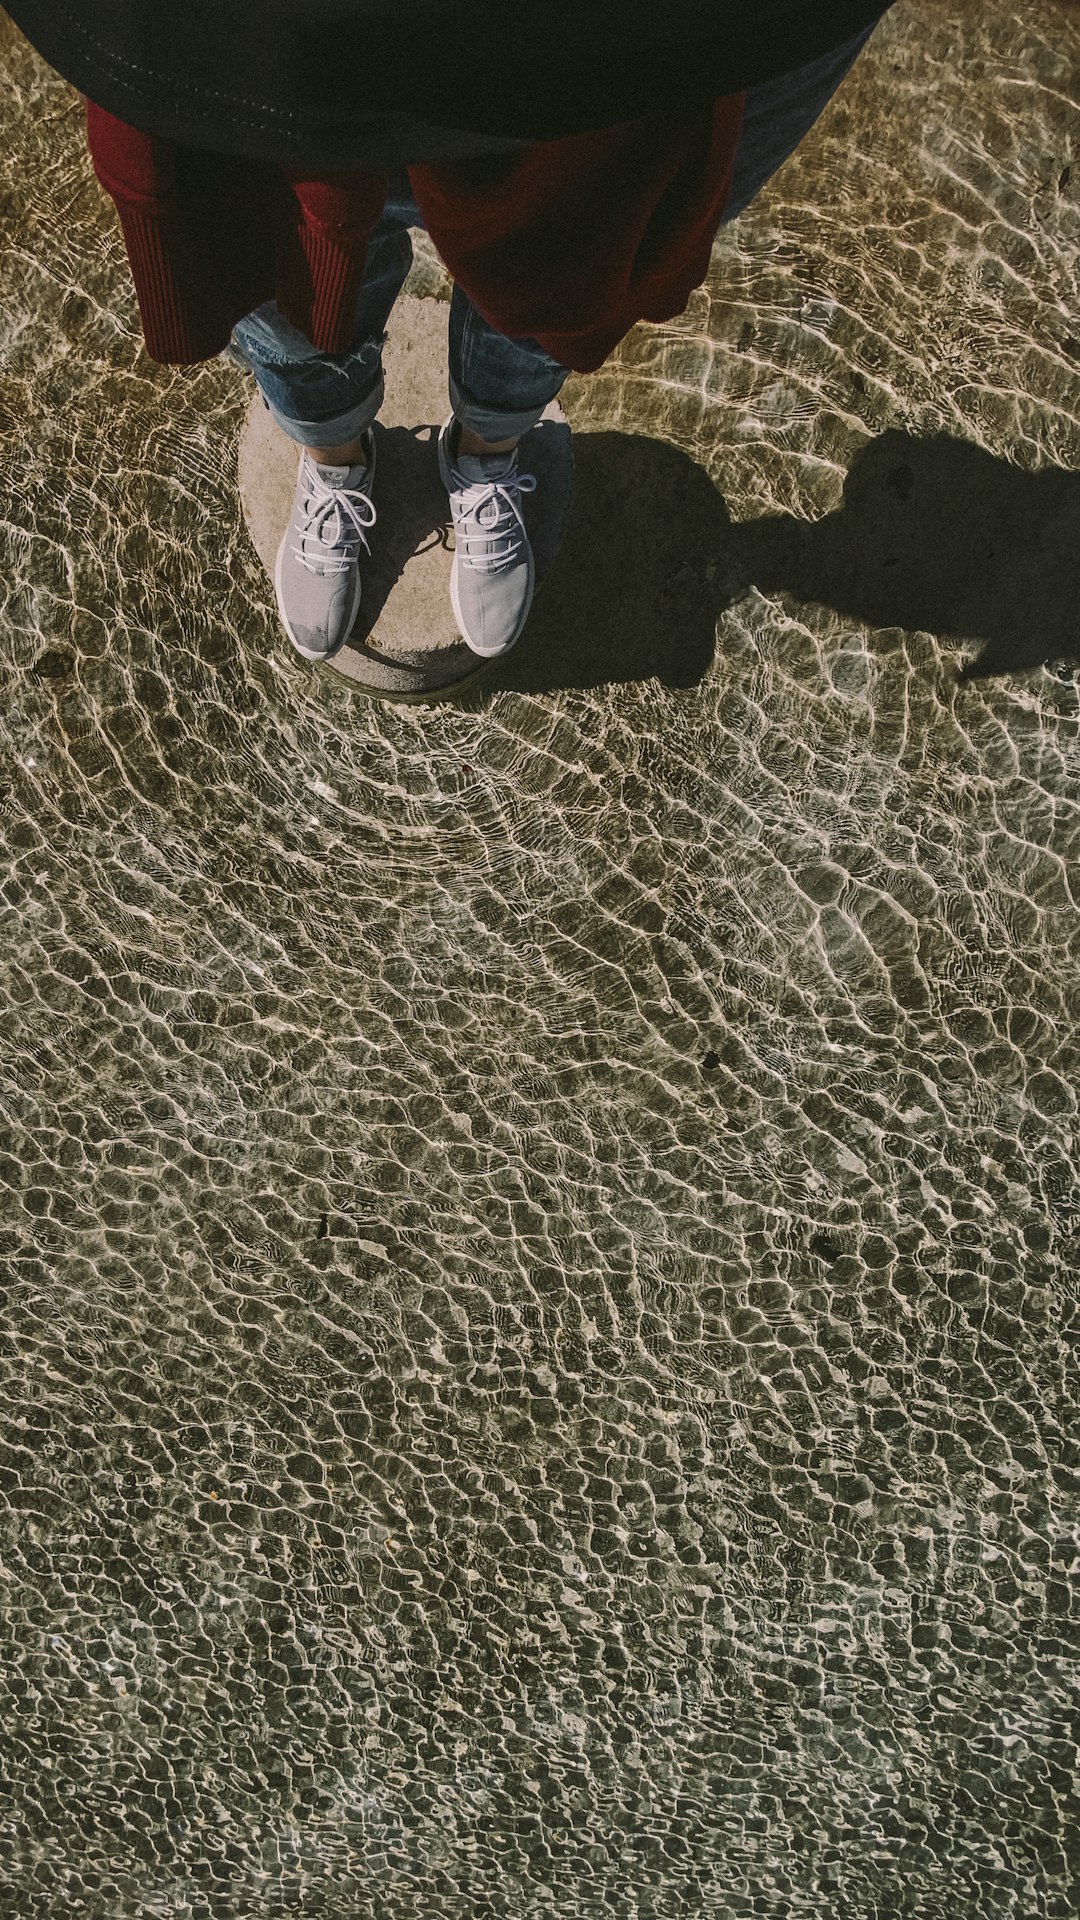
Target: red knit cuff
153, 253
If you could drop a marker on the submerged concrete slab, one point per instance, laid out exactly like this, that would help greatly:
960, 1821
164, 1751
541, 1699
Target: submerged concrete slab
406, 643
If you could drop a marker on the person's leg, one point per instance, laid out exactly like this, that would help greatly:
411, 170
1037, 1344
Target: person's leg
327, 401
780, 113
499, 386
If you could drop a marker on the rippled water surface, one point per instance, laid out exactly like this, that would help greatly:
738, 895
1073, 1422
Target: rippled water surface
540, 1236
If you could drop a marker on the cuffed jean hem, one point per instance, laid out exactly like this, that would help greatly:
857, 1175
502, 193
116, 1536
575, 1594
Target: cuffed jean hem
486, 422
492, 423
335, 432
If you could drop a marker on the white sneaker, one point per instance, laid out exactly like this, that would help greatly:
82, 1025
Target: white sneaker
491, 581
317, 575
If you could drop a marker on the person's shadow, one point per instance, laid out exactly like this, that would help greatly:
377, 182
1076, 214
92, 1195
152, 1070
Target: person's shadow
934, 535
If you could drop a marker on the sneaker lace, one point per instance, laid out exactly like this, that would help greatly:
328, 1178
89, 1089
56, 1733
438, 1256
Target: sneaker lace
485, 504
333, 517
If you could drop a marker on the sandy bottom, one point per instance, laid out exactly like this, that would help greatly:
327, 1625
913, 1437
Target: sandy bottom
539, 1236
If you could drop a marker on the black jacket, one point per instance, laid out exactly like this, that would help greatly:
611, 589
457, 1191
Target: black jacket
327, 84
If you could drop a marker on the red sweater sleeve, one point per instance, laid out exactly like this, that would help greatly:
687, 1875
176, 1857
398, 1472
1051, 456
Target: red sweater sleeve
570, 241
209, 237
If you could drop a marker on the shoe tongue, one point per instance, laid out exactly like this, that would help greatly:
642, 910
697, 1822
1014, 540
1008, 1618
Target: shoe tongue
485, 466
336, 476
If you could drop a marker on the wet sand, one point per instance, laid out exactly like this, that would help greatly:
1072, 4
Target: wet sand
540, 1236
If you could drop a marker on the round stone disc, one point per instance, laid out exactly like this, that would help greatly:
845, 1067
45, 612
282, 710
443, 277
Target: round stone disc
405, 643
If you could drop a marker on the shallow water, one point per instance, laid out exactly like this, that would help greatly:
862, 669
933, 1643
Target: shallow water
538, 1362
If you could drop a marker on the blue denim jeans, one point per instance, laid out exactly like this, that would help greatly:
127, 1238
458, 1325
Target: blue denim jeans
498, 386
